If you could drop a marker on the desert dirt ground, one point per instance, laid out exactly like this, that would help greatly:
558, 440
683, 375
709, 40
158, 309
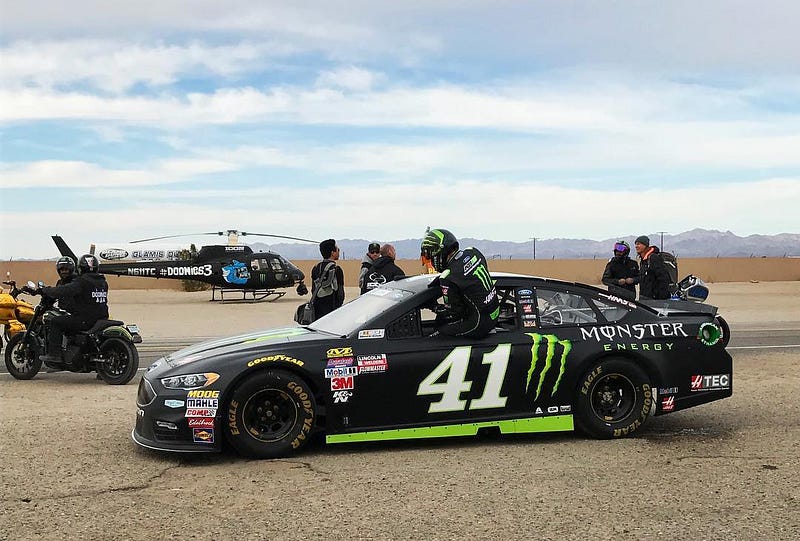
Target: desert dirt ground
727, 470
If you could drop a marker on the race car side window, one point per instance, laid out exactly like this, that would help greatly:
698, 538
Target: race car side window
406, 326
558, 308
611, 312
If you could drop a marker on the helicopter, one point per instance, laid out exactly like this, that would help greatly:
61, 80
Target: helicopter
232, 267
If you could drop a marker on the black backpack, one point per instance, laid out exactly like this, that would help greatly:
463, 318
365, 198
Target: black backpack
671, 263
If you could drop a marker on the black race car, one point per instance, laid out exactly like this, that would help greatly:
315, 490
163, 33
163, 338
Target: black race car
563, 356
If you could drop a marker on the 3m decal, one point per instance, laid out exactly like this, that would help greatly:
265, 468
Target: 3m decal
455, 366
342, 383
552, 342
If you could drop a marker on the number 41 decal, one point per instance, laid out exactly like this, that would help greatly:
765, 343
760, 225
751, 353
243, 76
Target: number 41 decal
456, 364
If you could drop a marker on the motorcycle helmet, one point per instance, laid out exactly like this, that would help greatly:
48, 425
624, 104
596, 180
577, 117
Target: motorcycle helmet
65, 263
436, 246
88, 263
622, 248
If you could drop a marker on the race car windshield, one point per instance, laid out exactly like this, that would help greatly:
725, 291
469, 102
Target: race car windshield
356, 313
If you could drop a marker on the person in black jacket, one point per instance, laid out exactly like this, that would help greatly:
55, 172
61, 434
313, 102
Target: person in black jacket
471, 306
327, 280
373, 253
653, 277
86, 297
382, 270
621, 272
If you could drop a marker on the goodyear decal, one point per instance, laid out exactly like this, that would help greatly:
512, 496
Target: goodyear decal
273, 358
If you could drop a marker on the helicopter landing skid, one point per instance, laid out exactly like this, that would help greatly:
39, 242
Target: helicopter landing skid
247, 295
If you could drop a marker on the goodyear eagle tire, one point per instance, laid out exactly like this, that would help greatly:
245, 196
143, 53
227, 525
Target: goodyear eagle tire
270, 415
121, 361
614, 399
22, 358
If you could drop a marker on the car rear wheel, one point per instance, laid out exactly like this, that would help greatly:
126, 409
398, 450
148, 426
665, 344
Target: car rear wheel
270, 415
614, 399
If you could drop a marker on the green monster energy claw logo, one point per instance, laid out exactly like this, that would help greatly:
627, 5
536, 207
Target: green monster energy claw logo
483, 275
552, 341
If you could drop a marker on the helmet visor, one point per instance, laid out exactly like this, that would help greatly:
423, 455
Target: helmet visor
619, 247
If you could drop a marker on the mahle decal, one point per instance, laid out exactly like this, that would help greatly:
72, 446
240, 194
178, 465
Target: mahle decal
552, 341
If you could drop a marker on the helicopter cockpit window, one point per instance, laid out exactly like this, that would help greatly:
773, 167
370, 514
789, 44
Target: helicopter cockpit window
254, 265
276, 264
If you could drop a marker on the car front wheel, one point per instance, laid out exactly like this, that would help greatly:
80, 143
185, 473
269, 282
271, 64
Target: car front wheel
614, 399
270, 415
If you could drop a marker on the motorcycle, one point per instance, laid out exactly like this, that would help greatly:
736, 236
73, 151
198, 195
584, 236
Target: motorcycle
107, 348
15, 314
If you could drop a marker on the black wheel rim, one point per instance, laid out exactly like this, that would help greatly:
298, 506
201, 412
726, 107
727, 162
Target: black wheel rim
269, 415
613, 398
22, 357
116, 360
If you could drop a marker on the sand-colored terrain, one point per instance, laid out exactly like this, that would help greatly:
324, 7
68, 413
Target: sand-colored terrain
729, 470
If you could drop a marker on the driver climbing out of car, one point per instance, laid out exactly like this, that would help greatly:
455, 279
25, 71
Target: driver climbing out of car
471, 306
85, 297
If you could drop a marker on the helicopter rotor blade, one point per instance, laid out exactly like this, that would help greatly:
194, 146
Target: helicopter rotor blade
176, 236
243, 233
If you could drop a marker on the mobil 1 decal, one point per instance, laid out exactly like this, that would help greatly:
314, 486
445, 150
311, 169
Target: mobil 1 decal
448, 382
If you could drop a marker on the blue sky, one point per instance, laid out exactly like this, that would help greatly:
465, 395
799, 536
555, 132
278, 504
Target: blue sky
362, 119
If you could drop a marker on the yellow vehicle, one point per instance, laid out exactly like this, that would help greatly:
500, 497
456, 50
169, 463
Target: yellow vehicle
15, 313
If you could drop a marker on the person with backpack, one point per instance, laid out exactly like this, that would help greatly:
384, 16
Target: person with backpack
327, 280
382, 270
621, 271
654, 276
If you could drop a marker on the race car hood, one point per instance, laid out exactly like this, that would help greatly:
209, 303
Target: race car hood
254, 340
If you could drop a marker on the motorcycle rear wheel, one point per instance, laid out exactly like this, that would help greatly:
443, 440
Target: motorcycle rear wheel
22, 357
121, 361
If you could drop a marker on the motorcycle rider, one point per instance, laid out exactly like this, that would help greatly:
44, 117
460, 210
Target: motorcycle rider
621, 272
86, 298
471, 305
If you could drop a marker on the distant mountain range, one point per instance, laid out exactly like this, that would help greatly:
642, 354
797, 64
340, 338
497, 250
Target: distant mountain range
694, 243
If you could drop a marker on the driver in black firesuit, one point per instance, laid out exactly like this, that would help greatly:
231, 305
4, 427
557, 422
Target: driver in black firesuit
471, 306
621, 272
86, 298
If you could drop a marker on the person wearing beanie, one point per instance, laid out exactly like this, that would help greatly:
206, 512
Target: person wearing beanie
373, 253
383, 269
653, 279
327, 280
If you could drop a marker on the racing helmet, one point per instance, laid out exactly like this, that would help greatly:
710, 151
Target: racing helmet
436, 246
622, 248
65, 263
88, 263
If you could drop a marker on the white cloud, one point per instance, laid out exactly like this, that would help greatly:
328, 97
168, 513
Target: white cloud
77, 174
499, 210
349, 78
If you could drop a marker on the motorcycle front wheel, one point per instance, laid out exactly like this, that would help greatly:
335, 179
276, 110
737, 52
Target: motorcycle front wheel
22, 356
120, 361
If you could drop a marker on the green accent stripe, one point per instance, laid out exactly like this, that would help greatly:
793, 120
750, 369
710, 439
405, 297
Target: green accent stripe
555, 423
